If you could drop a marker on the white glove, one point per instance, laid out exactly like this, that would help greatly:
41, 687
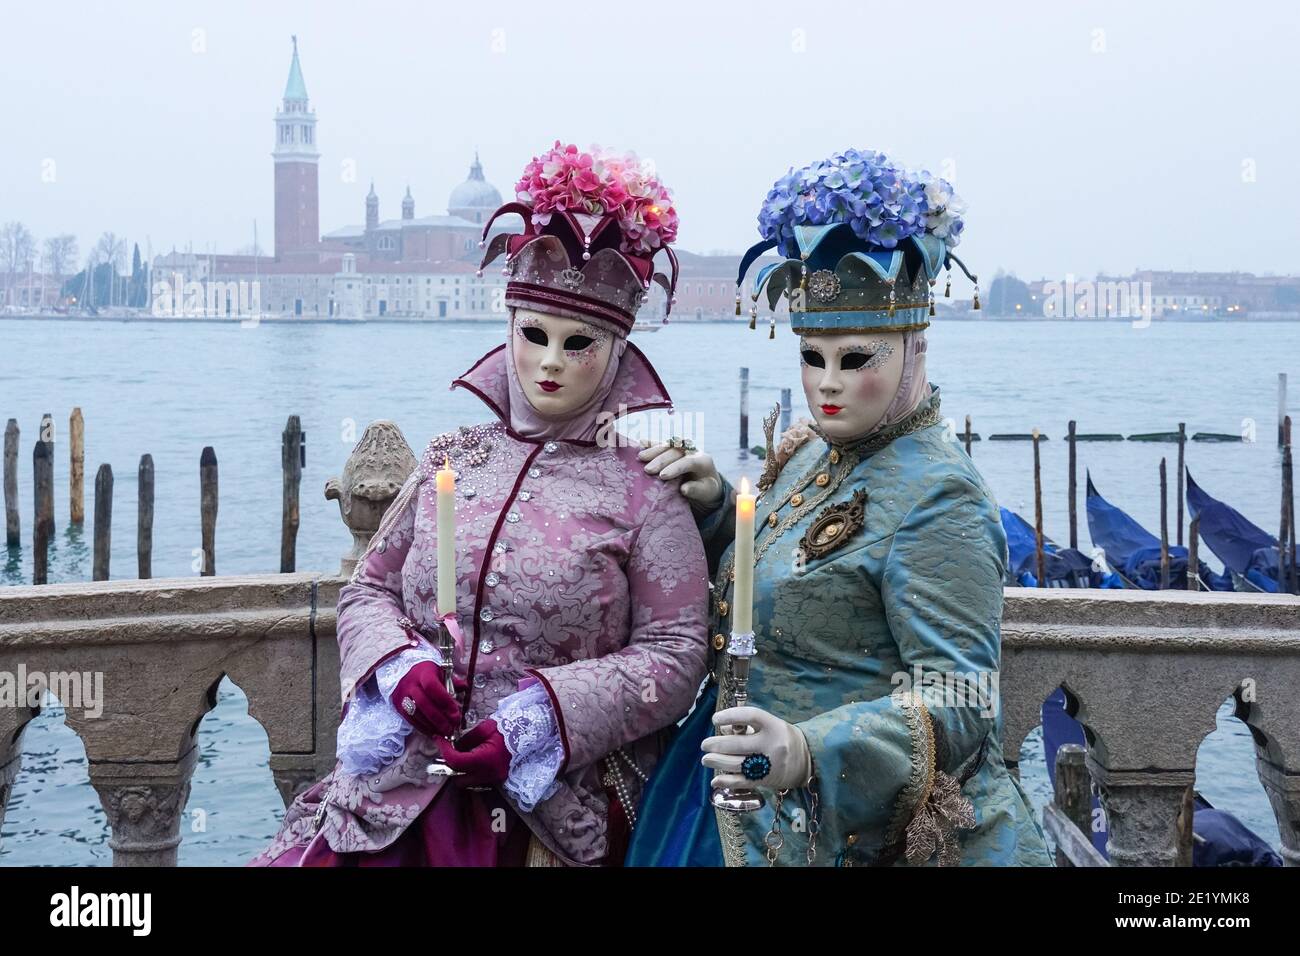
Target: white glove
783, 744
702, 487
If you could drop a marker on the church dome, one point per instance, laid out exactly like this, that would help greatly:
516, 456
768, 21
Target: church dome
475, 199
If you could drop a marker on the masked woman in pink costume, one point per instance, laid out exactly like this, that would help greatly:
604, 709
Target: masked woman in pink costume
581, 582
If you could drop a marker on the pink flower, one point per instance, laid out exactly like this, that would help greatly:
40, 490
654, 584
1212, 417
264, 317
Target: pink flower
600, 182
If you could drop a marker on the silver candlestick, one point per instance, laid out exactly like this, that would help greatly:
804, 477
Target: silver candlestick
740, 649
447, 664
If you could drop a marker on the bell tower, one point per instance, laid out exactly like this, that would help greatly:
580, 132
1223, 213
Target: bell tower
297, 192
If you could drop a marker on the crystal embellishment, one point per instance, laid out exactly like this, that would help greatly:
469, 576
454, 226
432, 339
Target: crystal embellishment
485, 615
513, 517
493, 579
551, 448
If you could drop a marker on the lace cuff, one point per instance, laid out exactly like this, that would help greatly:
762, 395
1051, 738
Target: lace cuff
527, 722
372, 733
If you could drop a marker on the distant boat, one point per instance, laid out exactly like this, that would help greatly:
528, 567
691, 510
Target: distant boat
1248, 552
648, 326
1134, 552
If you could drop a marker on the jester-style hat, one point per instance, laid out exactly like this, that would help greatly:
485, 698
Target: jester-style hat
593, 223
864, 241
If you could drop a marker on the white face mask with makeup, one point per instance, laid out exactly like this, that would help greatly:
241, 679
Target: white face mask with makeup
559, 362
851, 380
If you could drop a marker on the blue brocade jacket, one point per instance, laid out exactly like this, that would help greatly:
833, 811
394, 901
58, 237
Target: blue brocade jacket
877, 614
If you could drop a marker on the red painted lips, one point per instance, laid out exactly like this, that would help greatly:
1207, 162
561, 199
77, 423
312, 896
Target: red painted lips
832, 409
550, 386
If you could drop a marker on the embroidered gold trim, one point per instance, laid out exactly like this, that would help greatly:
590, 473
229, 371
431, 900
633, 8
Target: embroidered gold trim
921, 779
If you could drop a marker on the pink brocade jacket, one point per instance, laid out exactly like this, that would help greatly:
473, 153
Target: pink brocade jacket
573, 568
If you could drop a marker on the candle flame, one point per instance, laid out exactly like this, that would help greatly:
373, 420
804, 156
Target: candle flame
744, 485
446, 462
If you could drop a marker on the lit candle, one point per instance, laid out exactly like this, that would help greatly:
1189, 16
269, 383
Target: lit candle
446, 539
742, 614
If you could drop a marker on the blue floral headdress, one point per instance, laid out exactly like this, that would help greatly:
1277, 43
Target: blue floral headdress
863, 240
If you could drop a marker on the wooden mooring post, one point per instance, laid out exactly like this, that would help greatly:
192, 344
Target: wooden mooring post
144, 519
1040, 559
293, 453
1281, 406
1074, 487
46, 437
744, 413
208, 510
103, 522
1193, 554
1182, 445
13, 525
966, 438
1286, 551
76, 467
42, 518
1164, 527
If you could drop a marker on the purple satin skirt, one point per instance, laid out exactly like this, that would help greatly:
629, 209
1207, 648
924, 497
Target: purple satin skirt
458, 828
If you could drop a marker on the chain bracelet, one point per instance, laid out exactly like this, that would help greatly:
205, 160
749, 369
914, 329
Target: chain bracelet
775, 839
814, 821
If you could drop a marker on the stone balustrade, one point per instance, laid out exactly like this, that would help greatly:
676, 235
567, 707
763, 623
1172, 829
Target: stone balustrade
1145, 671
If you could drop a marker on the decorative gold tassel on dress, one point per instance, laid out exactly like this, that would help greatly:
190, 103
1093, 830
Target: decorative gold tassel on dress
737, 300
771, 329
753, 317
891, 298
977, 296
932, 303
947, 289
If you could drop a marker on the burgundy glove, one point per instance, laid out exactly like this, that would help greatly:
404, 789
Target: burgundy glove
421, 697
480, 755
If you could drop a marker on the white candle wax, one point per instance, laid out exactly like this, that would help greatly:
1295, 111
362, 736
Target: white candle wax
742, 609
446, 479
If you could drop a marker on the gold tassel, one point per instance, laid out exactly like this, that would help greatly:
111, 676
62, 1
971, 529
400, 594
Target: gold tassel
932, 303
753, 317
771, 329
977, 297
891, 299
737, 300
947, 289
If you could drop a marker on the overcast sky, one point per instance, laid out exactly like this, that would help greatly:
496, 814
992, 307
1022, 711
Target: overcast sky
1082, 136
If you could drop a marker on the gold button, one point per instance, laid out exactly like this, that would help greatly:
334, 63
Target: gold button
771, 520
796, 500
851, 839
835, 456
719, 642
823, 480
723, 608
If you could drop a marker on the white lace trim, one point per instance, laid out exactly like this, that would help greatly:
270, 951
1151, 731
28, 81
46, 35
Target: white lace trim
527, 722
372, 733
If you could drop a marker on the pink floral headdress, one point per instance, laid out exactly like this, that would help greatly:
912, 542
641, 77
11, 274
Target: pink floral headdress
593, 224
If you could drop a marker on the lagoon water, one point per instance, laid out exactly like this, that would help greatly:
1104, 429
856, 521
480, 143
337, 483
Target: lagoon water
169, 390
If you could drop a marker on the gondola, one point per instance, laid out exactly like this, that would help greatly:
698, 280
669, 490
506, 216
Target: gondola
1134, 552
1248, 552
1064, 567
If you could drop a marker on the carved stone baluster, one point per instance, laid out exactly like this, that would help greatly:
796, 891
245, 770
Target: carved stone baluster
144, 803
1283, 791
1142, 814
13, 723
372, 477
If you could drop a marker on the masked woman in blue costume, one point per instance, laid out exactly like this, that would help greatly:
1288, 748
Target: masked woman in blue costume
872, 729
